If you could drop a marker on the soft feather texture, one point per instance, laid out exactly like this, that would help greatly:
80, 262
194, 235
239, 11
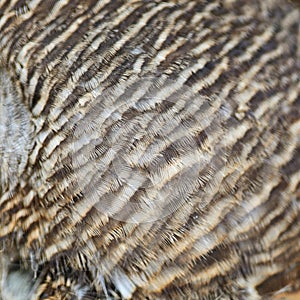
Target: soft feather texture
150, 149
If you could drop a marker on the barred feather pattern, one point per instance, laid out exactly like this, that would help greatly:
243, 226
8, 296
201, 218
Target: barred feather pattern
150, 149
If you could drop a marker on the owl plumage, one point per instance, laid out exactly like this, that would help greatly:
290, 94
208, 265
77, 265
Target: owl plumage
149, 149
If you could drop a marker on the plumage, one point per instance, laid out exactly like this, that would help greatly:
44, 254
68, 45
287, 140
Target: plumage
149, 149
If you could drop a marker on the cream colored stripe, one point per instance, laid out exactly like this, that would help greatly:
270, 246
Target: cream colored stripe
73, 81
258, 42
7, 14
72, 85
22, 58
6, 35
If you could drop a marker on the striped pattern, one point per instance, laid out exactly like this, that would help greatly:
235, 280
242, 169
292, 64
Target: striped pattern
160, 151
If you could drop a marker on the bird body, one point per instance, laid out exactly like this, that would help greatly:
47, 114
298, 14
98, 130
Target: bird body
149, 149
